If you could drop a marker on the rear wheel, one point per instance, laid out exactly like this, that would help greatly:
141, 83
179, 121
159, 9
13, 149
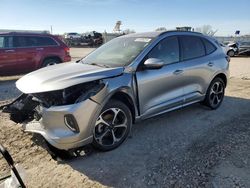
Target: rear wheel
112, 126
50, 61
215, 93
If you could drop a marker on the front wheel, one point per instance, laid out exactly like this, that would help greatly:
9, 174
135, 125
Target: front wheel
112, 126
231, 53
215, 93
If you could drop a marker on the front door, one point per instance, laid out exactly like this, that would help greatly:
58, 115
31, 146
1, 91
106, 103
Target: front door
162, 89
8, 56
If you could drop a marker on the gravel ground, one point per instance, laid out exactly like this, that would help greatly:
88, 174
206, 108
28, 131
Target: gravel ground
191, 147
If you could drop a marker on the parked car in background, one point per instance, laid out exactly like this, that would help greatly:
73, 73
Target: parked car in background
72, 36
244, 48
130, 78
225, 48
87, 39
26, 52
233, 49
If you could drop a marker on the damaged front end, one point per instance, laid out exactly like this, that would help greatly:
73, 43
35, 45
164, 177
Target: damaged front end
28, 107
21, 109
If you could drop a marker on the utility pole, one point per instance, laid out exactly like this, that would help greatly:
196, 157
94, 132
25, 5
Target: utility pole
51, 29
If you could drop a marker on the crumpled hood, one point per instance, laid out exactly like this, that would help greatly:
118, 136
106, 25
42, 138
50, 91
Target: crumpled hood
63, 75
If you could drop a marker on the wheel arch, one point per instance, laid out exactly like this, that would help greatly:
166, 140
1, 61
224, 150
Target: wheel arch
50, 57
127, 100
222, 76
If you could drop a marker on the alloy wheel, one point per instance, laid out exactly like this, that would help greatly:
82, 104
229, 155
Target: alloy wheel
216, 94
110, 127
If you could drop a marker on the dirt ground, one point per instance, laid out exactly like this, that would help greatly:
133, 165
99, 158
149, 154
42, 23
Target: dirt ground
190, 147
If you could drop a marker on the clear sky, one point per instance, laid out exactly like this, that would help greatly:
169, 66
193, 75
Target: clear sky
145, 15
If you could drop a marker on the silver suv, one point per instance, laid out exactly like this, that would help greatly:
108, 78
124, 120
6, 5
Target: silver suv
97, 99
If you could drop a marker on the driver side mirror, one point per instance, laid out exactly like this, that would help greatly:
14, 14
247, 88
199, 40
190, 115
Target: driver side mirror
153, 63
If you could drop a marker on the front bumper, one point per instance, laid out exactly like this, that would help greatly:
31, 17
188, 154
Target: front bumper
53, 128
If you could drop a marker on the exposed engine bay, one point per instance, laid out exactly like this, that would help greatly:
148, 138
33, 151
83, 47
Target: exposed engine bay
29, 106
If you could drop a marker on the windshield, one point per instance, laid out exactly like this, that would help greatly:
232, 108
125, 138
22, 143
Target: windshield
118, 52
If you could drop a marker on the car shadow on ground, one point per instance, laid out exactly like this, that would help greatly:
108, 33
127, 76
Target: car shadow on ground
8, 91
157, 145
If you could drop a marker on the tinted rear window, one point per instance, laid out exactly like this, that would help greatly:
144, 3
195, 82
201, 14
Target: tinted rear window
20, 41
33, 41
210, 48
192, 47
44, 41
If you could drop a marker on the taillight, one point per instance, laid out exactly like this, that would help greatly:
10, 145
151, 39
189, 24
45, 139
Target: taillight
228, 58
66, 49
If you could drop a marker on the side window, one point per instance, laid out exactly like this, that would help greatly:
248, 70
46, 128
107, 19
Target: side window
2, 41
32, 41
45, 41
210, 48
9, 42
6, 42
192, 47
166, 50
21, 41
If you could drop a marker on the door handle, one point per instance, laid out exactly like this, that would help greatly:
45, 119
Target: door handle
9, 50
178, 72
39, 49
210, 64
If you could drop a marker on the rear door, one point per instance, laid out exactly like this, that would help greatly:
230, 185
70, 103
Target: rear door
197, 67
25, 52
48, 47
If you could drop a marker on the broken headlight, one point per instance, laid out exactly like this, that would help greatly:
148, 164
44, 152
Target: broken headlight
70, 95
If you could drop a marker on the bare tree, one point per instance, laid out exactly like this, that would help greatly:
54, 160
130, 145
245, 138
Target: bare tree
207, 30
161, 29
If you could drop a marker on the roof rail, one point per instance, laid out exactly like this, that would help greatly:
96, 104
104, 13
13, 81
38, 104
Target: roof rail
170, 31
24, 31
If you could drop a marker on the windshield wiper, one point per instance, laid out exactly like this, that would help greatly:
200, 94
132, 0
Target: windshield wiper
99, 65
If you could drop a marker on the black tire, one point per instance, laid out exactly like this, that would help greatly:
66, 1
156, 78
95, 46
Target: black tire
231, 53
215, 93
120, 124
50, 61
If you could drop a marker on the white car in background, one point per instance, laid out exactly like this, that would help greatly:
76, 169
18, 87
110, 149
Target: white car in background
225, 48
72, 36
231, 49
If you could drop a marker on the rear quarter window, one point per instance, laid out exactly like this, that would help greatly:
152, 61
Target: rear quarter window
191, 47
45, 41
210, 48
